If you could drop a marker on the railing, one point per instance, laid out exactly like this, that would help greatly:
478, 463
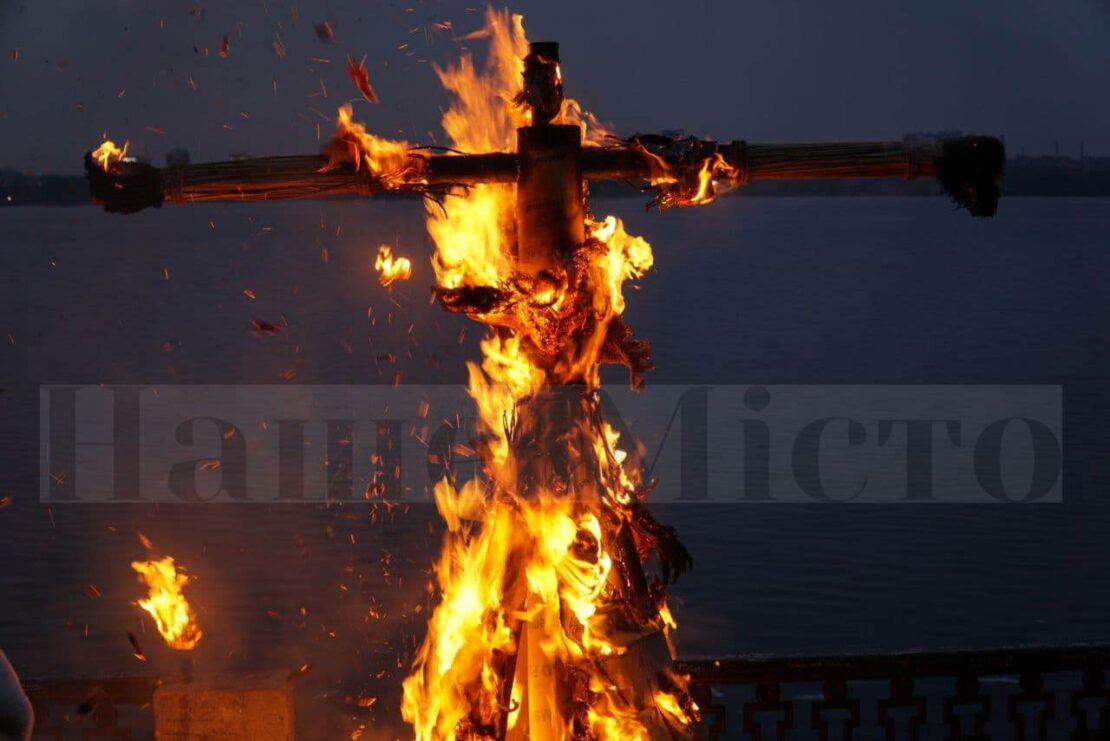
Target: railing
1020, 694
93, 709
1026, 693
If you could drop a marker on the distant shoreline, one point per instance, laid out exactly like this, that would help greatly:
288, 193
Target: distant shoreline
1024, 176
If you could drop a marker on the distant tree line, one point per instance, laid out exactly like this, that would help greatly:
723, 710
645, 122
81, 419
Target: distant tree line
1040, 176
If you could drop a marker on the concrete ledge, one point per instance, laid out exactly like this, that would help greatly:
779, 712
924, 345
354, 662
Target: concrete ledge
232, 708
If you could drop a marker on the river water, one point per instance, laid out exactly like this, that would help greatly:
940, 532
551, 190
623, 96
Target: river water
746, 291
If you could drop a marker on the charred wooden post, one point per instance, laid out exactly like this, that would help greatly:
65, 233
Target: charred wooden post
550, 203
550, 224
554, 455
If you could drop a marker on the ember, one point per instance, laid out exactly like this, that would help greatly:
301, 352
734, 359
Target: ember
263, 328
137, 650
325, 32
361, 78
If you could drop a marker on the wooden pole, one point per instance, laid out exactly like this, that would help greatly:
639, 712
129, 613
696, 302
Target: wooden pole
550, 203
131, 186
550, 223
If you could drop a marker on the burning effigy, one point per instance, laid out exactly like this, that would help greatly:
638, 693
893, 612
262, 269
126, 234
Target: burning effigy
552, 620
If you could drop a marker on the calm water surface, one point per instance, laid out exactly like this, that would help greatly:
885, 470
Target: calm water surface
888, 291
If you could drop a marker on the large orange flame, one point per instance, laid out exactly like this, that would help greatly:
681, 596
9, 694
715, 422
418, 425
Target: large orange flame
518, 539
166, 603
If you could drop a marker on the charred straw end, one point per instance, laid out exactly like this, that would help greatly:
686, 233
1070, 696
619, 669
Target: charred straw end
125, 187
969, 169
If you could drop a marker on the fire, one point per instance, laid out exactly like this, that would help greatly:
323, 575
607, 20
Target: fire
388, 161
685, 172
713, 169
473, 235
626, 257
108, 151
166, 603
535, 579
391, 268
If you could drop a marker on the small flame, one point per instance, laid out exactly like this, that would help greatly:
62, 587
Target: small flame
386, 159
686, 173
172, 614
594, 132
669, 704
391, 268
713, 169
108, 151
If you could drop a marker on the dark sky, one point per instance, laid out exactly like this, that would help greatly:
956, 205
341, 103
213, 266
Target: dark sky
1034, 71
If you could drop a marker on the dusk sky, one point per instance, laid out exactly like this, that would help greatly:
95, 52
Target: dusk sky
1029, 70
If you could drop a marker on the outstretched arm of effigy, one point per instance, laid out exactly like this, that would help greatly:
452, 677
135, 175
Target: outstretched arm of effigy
682, 171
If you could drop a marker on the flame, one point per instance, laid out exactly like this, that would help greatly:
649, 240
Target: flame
391, 268
533, 581
388, 161
671, 706
108, 151
627, 257
688, 172
713, 169
172, 614
473, 235
594, 132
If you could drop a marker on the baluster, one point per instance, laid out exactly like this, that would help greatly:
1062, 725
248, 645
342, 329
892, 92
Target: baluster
1094, 688
967, 694
105, 724
835, 692
703, 696
43, 729
768, 700
1032, 690
902, 697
